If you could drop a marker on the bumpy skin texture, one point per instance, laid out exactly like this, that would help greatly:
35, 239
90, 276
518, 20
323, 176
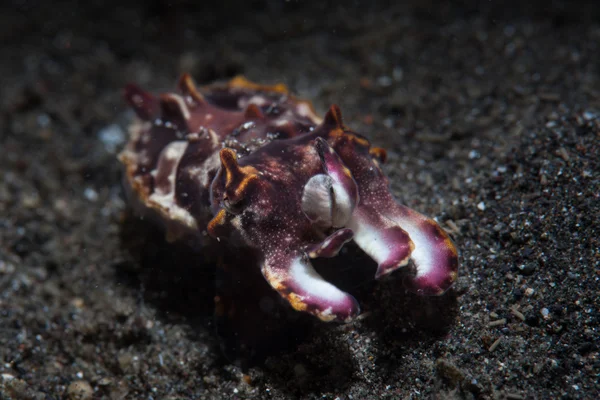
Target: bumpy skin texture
255, 166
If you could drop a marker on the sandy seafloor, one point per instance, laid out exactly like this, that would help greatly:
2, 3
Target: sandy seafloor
490, 112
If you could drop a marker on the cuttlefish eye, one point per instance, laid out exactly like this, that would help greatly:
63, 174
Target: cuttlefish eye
321, 204
329, 199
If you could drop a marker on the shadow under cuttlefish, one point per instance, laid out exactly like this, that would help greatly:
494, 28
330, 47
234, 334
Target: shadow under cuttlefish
222, 287
217, 288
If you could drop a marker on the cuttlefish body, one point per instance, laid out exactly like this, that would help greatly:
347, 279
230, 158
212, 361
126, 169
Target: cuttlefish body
255, 166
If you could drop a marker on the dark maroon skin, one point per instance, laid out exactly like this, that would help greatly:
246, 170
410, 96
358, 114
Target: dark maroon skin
253, 166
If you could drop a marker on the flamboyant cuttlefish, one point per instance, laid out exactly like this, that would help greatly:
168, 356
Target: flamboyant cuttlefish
256, 166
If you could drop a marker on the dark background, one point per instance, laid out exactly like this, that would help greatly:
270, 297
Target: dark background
490, 112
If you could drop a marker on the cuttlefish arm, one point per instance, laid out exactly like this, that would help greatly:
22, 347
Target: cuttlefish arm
291, 274
394, 235
328, 201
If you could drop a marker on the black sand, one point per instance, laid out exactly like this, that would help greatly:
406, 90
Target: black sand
491, 117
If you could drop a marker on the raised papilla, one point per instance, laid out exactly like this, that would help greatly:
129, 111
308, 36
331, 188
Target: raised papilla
254, 166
